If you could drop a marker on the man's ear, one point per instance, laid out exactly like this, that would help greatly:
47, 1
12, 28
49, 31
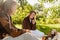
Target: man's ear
3, 21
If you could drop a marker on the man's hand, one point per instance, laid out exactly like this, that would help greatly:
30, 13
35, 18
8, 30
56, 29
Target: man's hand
27, 30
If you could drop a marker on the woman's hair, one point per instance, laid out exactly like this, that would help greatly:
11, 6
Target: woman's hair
32, 12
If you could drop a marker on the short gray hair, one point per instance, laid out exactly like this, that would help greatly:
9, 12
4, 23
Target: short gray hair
7, 8
9, 5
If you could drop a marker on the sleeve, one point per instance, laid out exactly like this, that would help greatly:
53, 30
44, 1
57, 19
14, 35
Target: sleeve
24, 24
13, 33
34, 26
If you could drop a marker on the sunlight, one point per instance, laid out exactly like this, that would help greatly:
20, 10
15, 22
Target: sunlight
33, 2
48, 5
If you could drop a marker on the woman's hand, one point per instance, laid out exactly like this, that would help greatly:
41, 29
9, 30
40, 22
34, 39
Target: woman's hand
27, 30
33, 21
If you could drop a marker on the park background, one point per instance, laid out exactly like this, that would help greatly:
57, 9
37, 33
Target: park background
47, 17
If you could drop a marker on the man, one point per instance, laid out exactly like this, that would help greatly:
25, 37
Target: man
8, 8
1, 28
6, 24
30, 23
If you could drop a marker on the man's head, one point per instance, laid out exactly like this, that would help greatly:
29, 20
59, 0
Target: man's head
9, 7
32, 14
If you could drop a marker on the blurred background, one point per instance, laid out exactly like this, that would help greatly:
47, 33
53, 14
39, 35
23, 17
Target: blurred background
47, 17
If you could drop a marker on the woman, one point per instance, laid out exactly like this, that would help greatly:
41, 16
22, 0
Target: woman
29, 22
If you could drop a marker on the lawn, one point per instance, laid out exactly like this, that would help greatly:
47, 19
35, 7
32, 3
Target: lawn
19, 26
46, 28
54, 25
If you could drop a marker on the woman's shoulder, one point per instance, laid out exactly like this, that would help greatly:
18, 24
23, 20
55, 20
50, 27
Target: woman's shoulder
26, 18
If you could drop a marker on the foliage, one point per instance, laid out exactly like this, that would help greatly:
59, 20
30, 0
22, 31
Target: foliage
45, 16
21, 14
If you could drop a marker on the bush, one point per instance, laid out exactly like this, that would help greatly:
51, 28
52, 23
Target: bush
21, 14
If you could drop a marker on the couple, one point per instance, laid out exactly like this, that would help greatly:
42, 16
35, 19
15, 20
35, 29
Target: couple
32, 33
10, 32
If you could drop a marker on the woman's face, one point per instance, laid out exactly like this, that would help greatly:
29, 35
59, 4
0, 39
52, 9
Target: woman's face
32, 15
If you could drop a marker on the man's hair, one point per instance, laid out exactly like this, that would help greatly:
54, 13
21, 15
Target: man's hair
32, 12
8, 5
6, 8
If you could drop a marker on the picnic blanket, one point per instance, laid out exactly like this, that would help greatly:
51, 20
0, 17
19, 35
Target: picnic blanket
25, 36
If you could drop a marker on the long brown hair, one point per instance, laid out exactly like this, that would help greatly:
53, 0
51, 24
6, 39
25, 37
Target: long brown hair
32, 12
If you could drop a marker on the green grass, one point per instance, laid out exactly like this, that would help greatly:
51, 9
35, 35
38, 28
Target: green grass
46, 28
52, 25
19, 26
